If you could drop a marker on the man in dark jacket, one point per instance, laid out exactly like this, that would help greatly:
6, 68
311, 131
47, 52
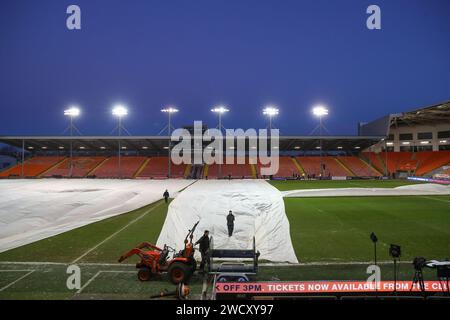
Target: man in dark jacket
204, 247
230, 223
166, 196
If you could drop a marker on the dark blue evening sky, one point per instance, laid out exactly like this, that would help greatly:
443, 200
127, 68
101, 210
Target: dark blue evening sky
195, 54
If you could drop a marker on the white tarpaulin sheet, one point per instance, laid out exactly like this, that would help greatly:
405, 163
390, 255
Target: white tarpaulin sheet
428, 189
258, 209
32, 210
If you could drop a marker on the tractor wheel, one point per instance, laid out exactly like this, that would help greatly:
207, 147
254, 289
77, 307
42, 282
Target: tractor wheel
179, 272
144, 274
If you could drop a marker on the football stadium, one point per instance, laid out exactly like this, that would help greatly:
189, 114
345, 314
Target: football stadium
86, 200
223, 156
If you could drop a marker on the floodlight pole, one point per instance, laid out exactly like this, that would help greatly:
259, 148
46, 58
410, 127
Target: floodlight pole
220, 145
120, 159
71, 113
320, 143
169, 132
23, 158
169, 129
71, 146
220, 110
386, 161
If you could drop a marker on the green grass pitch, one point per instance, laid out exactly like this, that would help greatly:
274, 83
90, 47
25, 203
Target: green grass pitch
326, 234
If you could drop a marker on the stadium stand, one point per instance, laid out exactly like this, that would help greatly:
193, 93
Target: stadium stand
156, 168
419, 163
400, 161
369, 165
234, 170
311, 165
431, 160
375, 160
358, 167
33, 167
288, 168
110, 168
81, 166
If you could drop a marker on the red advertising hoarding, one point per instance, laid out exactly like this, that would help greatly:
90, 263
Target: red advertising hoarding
324, 287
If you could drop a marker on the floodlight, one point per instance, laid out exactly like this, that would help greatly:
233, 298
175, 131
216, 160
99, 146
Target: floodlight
169, 110
119, 111
72, 112
270, 111
220, 109
320, 111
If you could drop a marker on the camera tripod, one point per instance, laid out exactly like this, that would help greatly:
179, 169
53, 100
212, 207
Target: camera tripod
418, 278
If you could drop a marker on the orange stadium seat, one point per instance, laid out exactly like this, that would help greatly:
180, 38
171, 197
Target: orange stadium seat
359, 167
374, 159
81, 167
431, 160
157, 167
287, 168
311, 165
396, 161
234, 170
420, 162
129, 165
32, 167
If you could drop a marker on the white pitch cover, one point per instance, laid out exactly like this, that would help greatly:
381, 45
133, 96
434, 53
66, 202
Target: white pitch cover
426, 189
31, 210
257, 206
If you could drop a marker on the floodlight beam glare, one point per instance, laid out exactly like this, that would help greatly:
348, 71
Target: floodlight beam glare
72, 112
270, 111
119, 111
320, 111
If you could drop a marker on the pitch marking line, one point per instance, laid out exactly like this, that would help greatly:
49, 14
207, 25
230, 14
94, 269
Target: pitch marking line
88, 282
16, 270
40, 263
115, 233
435, 199
97, 274
17, 280
263, 264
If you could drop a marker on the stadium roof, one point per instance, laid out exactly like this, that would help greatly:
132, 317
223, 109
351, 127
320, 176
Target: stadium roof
159, 143
431, 115
439, 113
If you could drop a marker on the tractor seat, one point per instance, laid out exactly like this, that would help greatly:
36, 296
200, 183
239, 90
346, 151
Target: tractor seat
163, 256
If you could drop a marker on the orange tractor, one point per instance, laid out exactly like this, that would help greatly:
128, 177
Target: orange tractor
155, 260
